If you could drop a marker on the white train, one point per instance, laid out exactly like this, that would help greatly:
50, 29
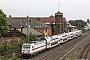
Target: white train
34, 47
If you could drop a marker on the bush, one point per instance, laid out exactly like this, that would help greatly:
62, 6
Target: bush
18, 55
83, 30
1, 57
13, 58
14, 46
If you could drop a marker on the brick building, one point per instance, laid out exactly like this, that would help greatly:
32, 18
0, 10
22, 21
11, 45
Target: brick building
58, 21
21, 23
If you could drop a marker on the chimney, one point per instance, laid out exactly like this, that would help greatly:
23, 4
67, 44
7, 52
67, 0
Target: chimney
88, 21
51, 16
9, 15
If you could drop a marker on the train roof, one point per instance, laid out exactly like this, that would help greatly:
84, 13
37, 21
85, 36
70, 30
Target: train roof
26, 44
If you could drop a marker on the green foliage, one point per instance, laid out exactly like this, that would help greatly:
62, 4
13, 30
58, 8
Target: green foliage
18, 55
1, 58
66, 30
4, 48
83, 30
14, 46
32, 37
73, 55
3, 23
13, 58
37, 18
78, 23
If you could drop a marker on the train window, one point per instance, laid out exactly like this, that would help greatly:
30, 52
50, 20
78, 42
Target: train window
53, 39
42, 39
26, 46
64, 36
56, 38
33, 41
70, 34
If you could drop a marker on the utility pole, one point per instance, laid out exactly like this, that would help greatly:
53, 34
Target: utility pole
27, 29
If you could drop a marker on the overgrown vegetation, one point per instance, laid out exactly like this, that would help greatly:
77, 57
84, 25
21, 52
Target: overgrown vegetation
10, 48
73, 55
13, 47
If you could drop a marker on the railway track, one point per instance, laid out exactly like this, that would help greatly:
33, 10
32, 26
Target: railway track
82, 54
50, 55
85, 51
63, 57
59, 51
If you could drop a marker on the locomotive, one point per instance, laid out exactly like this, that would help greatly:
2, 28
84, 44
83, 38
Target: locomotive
34, 47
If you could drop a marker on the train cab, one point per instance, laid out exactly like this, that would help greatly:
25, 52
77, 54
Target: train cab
26, 51
33, 47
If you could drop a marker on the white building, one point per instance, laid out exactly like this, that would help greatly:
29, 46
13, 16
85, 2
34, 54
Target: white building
88, 26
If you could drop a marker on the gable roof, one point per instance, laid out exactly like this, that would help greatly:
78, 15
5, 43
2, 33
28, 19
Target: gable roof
30, 30
51, 19
17, 22
47, 19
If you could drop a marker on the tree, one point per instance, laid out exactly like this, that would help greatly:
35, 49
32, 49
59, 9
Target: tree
78, 23
13, 46
3, 23
37, 18
32, 37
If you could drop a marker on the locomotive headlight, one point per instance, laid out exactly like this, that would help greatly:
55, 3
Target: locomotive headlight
23, 51
28, 50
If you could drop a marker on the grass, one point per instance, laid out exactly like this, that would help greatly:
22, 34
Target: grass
73, 55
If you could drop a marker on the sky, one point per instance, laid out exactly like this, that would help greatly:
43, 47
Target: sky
71, 9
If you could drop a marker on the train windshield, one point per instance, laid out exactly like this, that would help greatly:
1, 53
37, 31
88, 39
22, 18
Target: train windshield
71, 34
42, 39
26, 46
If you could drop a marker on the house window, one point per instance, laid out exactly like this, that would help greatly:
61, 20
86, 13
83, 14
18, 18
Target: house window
38, 26
35, 26
46, 30
53, 23
29, 20
58, 26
